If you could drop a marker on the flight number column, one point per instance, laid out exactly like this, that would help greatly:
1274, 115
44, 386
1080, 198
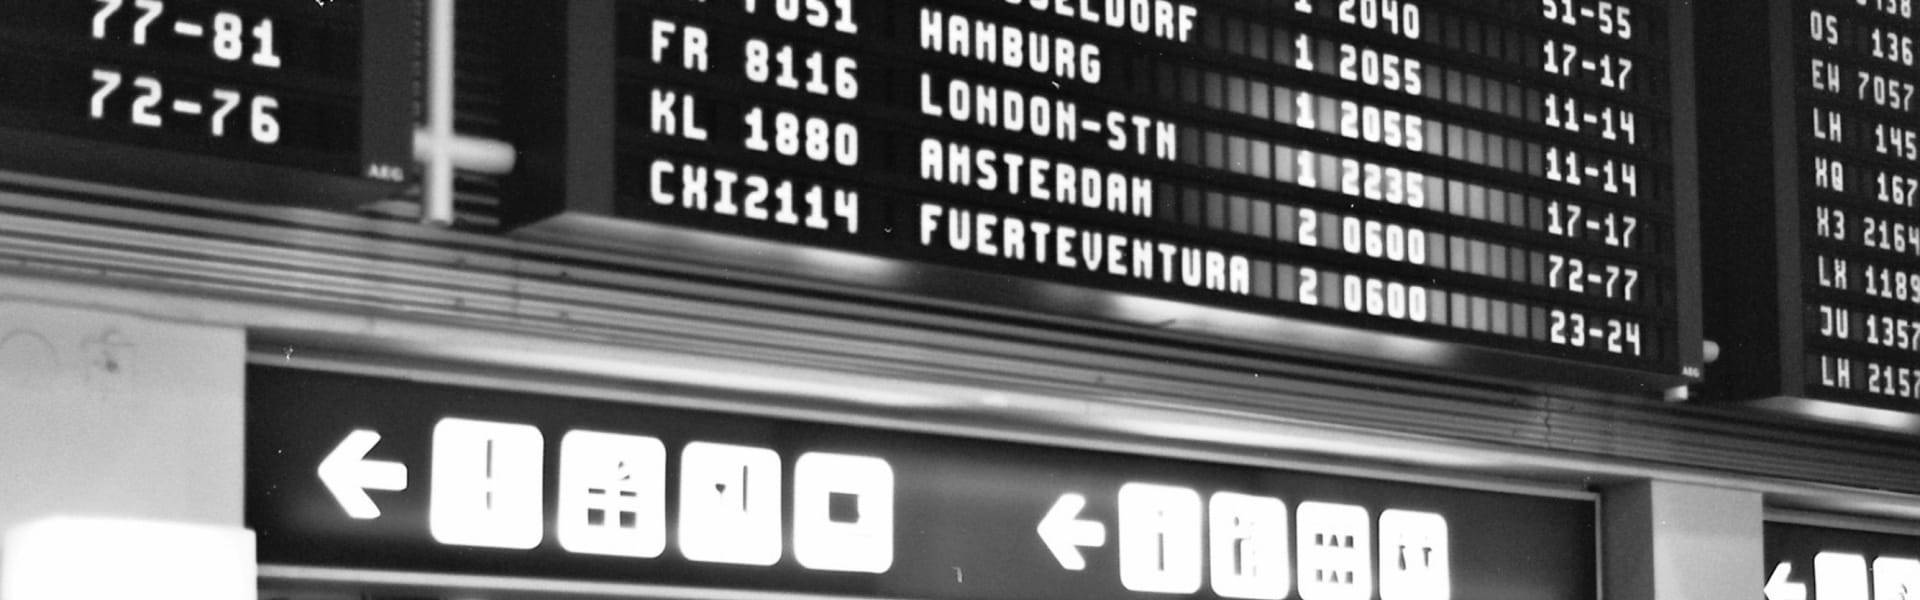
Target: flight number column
756, 107
1861, 158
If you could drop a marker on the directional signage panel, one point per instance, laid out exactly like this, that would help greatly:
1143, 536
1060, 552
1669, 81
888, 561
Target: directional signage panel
1819, 563
351, 471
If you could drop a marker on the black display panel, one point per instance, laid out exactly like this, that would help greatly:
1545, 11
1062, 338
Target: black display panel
1505, 178
273, 101
348, 471
1824, 563
1811, 160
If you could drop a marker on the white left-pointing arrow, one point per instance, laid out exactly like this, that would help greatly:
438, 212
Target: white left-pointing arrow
348, 474
1064, 532
1779, 588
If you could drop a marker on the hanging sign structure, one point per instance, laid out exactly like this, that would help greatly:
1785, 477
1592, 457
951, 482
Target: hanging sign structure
349, 471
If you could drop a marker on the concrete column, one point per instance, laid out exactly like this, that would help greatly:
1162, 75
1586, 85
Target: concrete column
118, 433
1674, 541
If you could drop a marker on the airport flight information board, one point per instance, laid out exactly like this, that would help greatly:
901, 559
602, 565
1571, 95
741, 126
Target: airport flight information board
269, 100
1496, 176
1826, 251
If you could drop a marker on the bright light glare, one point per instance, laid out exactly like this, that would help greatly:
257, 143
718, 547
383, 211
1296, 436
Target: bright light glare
1414, 563
74, 557
1894, 577
1335, 547
1882, 418
1249, 542
1840, 575
486, 484
1160, 548
730, 504
860, 538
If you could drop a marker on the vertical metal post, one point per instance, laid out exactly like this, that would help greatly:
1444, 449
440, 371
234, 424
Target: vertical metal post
438, 182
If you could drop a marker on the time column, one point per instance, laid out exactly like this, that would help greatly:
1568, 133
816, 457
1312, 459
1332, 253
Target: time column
146, 98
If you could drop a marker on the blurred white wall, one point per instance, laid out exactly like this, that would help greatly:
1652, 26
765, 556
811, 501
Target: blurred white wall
106, 414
